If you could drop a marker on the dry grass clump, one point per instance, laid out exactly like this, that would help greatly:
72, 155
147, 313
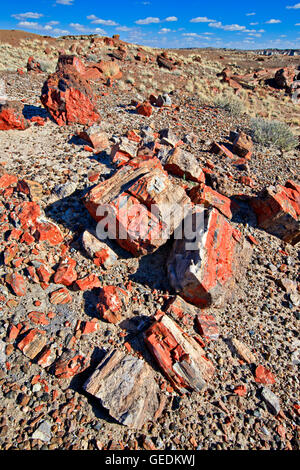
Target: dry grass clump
230, 103
273, 133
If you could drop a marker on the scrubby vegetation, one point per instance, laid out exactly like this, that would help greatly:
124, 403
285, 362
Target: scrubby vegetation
273, 133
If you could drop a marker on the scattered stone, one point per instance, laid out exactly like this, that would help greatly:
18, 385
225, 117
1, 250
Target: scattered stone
43, 432
271, 400
112, 302
205, 195
180, 356
126, 386
11, 116
69, 99
278, 211
204, 267
33, 343
184, 164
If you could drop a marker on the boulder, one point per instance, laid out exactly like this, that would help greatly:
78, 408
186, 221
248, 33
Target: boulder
95, 137
165, 62
284, 77
184, 164
69, 99
11, 116
139, 205
112, 302
203, 265
278, 211
65, 61
179, 355
33, 65
126, 387
243, 145
205, 195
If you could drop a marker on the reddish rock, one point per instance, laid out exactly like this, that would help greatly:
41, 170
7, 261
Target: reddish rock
95, 137
10, 253
88, 327
181, 311
38, 317
32, 343
69, 99
278, 211
240, 390
66, 273
69, 364
7, 180
60, 296
145, 109
99, 250
17, 283
203, 194
11, 116
88, 282
47, 357
65, 61
43, 271
207, 326
112, 302
126, 147
242, 145
33, 65
31, 188
264, 376
220, 149
180, 356
165, 62
285, 77
184, 164
26, 214
204, 271
126, 215
47, 231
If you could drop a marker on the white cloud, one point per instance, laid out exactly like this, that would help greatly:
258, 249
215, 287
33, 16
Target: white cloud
123, 28
64, 2
164, 31
171, 18
297, 24
227, 27
34, 25
201, 19
191, 35
294, 7
272, 21
253, 24
100, 31
60, 32
148, 20
96, 20
250, 14
29, 14
79, 27
53, 22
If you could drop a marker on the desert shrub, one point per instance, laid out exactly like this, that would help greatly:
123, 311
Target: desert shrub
110, 69
273, 133
47, 66
231, 104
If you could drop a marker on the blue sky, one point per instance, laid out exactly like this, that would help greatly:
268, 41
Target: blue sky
190, 23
